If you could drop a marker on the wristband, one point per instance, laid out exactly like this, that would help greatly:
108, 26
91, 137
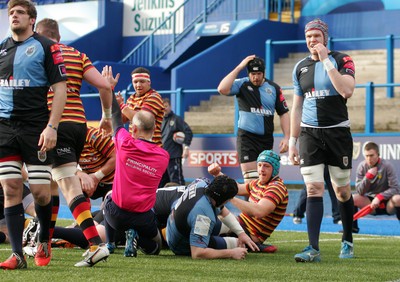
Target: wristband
52, 126
292, 142
328, 64
107, 113
99, 174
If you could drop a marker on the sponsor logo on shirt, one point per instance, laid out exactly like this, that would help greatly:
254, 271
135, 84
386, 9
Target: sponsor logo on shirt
317, 93
14, 82
3, 52
261, 111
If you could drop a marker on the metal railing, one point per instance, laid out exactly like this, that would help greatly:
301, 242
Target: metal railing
164, 39
389, 40
179, 95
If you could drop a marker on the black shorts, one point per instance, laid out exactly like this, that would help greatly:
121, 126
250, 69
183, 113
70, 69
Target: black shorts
20, 141
250, 145
379, 211
71, 139
121, 220
330, 146
101, 191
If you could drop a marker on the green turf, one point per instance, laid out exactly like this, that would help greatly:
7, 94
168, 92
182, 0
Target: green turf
377, 259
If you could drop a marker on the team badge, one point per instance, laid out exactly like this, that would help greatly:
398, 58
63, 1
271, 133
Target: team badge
30, 50
346, 161
42, 156
171, 123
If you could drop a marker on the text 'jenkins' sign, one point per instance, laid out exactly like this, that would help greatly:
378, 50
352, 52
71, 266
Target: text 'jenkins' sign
205, 158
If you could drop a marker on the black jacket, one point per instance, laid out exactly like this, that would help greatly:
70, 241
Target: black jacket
171, 124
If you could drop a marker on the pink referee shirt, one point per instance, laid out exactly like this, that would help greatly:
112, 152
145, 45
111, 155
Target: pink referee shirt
139, 167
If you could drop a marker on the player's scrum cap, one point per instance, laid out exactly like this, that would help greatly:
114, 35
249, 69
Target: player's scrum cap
318, 24
139, 75
272, 158
256, 65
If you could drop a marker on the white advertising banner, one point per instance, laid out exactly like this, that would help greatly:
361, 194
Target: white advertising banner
142, 17
74, 19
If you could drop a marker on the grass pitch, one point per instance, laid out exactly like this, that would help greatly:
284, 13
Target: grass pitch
377, 259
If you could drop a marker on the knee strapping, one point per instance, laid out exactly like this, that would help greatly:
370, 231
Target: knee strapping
39, 174
10, 170
340, 177
63, 172
313, 173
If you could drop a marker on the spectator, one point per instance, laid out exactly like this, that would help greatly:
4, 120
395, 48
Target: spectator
71, 139
376, 185
267, 200
177, 150
323, 82
144, 98
300, 207
193, 225
258, 99
28, 130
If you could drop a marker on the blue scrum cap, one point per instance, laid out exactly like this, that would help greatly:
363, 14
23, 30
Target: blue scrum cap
272, 158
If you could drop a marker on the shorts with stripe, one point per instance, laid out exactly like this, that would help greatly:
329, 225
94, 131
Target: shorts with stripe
19, 141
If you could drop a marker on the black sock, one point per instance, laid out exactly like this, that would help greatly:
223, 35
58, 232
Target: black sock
43, 214
346, 212
15, 219
72, 235
314, 213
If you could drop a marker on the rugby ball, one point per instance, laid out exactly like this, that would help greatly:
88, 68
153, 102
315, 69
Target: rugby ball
179, 137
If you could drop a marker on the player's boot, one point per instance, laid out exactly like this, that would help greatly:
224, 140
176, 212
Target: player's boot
29, 231
267, 248
43, 254
92, 257
131, 244
309, 254
15, 261
347, 250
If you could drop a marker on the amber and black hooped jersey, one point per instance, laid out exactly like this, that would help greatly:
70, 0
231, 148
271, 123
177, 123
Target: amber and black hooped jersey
76, 64
323, 106
257, 105
27, 70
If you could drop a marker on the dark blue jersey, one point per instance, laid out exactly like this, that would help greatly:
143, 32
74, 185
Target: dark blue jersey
257, 105
27, 70
323, 106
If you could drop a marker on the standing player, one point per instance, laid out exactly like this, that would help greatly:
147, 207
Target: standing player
258, 99
72, 133
29, 64
322, 84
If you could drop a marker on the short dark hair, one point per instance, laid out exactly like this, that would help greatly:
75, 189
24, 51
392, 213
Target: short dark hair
29, 5
371, 146
167, 100
140, 70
